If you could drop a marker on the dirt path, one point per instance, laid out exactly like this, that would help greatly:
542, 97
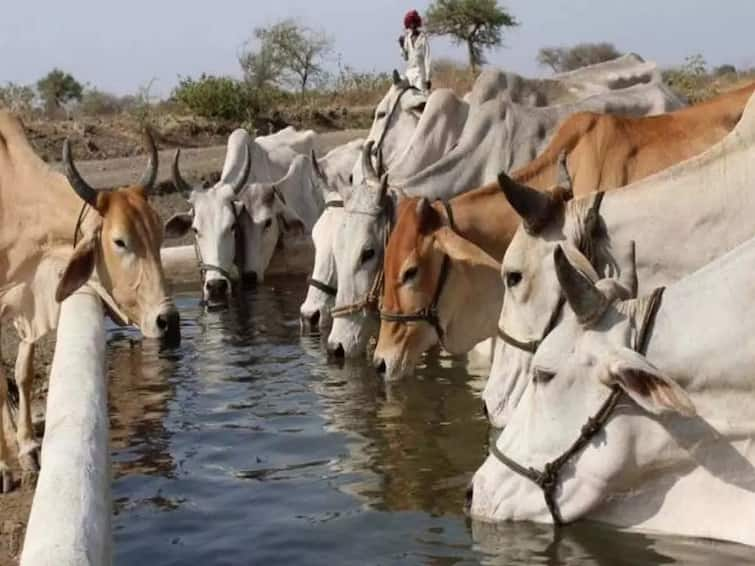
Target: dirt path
197, 165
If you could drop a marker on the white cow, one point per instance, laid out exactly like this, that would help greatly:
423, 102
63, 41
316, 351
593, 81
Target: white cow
216, 212
682, 218
676, 454
498, 136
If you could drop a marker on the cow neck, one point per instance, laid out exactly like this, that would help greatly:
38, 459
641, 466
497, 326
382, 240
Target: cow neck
430, 313
329, 290
547, 478
589, 249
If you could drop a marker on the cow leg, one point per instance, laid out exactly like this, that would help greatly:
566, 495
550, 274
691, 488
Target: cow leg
28, 447
6, 479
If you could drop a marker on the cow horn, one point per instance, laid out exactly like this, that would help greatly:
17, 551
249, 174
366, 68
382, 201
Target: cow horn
241, 182
587, 302
396, 77
533, 206
370, 174
316, 167
85, 192
628, 276
183, 187
150, 175
564, 178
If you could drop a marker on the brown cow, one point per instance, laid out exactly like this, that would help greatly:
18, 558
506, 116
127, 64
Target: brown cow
56, 234
601, 152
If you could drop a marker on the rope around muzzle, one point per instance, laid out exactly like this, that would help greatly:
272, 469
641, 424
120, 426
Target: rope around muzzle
547, 478
430, 313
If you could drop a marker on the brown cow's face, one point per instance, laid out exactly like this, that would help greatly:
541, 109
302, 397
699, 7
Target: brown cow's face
126, 256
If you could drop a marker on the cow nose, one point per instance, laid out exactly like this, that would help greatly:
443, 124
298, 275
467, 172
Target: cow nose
379, 364
338, 352
468, 497
314, 319
169, 324
217, 288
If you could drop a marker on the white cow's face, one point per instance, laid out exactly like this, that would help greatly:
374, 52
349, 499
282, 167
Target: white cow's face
214, 222
268, 220
572, 375
315, 311
359, 253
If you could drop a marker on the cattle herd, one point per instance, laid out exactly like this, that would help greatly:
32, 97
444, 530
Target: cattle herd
588, 235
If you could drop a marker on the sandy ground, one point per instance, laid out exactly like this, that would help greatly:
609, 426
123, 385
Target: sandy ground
198, 165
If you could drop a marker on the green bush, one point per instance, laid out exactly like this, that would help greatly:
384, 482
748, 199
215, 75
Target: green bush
691, 79
221, 98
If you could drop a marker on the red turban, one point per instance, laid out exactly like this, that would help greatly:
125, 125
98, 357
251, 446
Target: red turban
412, 20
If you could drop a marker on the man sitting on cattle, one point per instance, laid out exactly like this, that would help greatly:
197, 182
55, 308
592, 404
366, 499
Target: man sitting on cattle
415, 49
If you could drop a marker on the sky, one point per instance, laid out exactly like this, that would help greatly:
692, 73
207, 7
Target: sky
118, 46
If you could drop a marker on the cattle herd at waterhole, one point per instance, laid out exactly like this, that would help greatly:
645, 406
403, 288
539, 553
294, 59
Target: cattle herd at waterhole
589, 236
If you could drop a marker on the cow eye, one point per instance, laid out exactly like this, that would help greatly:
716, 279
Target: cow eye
268, 223
541, 375
513, 278
120, 243
367, 255
409, 274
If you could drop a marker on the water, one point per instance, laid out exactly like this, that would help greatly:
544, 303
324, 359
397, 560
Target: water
244, 446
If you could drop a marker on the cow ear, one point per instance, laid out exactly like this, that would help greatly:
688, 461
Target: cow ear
178, 225
645, 384
79, 268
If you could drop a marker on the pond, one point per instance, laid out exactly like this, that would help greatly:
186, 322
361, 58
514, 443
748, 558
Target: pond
245, 446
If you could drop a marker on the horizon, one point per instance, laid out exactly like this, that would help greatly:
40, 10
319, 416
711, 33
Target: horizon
189, 41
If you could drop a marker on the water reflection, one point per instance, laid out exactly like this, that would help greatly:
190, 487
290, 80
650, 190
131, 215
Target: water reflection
245, 446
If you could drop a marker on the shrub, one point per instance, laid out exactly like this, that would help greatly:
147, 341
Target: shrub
213, 97
691, 79
17, 98
95, 102
57, 88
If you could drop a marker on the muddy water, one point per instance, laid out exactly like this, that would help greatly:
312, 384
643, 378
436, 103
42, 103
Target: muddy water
244, 446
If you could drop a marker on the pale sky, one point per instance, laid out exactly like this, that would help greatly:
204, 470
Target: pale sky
118, 46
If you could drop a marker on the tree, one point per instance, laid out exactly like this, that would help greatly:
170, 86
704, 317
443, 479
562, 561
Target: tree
478, 23
562, 59
57, 88
290, 55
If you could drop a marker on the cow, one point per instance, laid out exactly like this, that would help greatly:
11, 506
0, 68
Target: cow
58, 233
661, 403
315, 310
681, 218
217, 214
498, 136
589, 152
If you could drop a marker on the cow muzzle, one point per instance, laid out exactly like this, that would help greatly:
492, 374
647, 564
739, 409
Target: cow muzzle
216, 293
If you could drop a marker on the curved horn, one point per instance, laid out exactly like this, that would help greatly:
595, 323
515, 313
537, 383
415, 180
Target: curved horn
241, 182
533, 206
563, 179
587, 302
316, 167
370, 174
150, 174
86, 192
628, 277
183, 187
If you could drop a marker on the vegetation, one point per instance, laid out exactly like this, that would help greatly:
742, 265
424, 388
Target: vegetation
478, 23
691, 79
562, 59
289, 56
17, 98
58, 88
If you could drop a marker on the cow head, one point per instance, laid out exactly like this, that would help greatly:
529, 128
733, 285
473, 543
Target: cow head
573, 374
396, 117
121, 247
468, 295
367, 219
532, 296
215, 217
